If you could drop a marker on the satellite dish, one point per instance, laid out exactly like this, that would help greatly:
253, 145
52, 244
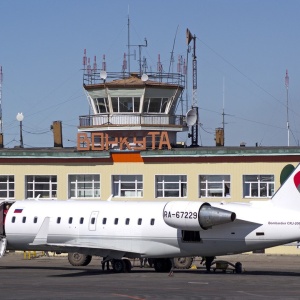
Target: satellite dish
144, 77
103, 75
191, 117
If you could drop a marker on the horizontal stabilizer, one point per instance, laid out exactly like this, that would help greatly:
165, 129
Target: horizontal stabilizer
42, 235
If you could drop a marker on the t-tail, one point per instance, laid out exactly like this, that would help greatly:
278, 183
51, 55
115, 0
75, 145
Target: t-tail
288, 195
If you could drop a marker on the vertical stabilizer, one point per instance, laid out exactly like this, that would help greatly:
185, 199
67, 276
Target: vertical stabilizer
288, 195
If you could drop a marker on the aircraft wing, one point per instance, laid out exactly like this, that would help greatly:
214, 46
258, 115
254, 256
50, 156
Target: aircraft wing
93, 249
78, 245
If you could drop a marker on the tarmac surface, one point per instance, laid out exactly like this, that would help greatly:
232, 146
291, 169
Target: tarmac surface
264, 277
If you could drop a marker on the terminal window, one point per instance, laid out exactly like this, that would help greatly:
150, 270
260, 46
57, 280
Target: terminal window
258, 186
170, 186
84, 186
42, 186
7, 187
214, 186
127, 185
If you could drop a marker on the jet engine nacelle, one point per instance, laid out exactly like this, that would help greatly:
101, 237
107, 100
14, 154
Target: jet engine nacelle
195, 216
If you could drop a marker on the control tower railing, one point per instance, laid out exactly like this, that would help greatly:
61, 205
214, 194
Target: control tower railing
91, 77
104, 120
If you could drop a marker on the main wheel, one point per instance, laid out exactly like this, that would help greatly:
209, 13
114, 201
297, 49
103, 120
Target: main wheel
183, 262
118, 265
238, 268
78, 259
162, 265
128, 265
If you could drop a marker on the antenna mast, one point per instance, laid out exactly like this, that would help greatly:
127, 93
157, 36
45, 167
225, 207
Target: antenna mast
287, 79
194, 134
223, 113
128, 41
1, 121
172, 52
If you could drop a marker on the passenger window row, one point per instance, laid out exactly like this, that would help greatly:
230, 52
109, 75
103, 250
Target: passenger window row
81, 220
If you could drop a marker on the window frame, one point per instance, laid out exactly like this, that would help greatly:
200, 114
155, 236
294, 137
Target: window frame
101, 103
159, 103
249, 190
162, 192
119, 182
39, 182
89, 189
8, 190
209, 183
118, 104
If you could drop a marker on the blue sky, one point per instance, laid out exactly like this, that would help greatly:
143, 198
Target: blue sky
247, 44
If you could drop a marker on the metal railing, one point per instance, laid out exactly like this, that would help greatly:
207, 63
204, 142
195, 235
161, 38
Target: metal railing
93, 77
131, 120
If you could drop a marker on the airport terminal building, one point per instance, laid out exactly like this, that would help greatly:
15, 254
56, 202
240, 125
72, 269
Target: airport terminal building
127, 149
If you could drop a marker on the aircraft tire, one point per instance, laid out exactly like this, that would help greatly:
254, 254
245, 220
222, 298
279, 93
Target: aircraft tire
238, 268
78, 259
128, 265
183, 262
162, 264
119, 265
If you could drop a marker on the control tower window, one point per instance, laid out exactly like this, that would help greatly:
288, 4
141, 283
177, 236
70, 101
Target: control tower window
125, 104
155, 105
101, 105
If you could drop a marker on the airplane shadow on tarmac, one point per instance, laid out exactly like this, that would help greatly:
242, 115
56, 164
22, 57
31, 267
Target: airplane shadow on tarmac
91, 272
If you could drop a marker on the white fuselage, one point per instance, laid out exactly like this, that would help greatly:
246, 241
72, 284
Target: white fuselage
138, 229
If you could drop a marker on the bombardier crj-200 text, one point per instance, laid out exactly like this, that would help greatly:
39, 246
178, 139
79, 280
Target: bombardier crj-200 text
118, 230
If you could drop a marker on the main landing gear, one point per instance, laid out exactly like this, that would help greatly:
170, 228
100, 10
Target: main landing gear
77, 259
121, 265
162, 264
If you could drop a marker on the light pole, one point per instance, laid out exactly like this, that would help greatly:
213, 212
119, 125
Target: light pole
20, 118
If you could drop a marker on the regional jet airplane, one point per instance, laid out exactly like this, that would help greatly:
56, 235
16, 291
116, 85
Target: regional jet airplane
120, 230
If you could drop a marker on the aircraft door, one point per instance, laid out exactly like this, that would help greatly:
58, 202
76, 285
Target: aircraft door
2, 219
93, 220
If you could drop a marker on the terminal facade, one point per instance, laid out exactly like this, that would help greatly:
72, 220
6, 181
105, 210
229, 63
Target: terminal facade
127, 149
238, 174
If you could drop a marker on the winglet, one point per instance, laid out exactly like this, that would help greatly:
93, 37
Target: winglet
109, 198
42, 235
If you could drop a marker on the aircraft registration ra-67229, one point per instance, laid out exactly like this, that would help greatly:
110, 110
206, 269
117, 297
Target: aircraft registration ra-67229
118, 230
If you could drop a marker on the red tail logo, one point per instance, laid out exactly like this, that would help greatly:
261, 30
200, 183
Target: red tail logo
297, 181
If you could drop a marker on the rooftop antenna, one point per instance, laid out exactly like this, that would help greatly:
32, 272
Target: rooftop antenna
140, 54
95, 64
84, 60
128, 42
172, 52
159, 67
89, 69
223, 113
1, 122
287, 80
194, 134
103, 63
124, 66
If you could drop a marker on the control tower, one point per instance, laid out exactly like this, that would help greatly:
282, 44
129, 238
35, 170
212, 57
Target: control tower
131, 111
